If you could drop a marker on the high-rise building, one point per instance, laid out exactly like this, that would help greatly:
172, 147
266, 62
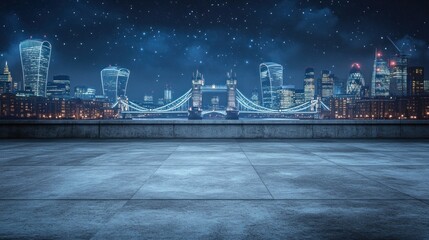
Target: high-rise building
35, 58
287, 96
416, 81
6, 85
255, 96
327, 84
167, 94
59, 87
299, 96
271, 76
309, 85
426, 83
380, 85
84, 93
339, 86
114, 81
355, 82
398, 76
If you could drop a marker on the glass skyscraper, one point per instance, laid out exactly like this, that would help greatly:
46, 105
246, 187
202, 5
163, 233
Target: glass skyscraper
35, 58
380, 84
114, 81
271, 76
309, 85
355, 82
398, 77
327, 83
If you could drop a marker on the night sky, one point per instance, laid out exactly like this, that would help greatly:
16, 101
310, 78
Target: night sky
163, 42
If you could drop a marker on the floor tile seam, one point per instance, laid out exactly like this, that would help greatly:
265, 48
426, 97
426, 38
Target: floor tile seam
374, 180
254, 169
107, 220
153, 173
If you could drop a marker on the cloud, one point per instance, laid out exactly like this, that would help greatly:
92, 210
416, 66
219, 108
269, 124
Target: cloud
411, 46
320, 22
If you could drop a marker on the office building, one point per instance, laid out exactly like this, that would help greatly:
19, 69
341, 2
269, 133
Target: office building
380, 84
309, 85
299, 96
114, 81
271, 77
327, 84
416, 81
398, 76
167, 94
35, 58
6, 84
59, 87
355, 82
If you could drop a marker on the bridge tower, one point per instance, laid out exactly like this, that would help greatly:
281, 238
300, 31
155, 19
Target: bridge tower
195, 111
231, 85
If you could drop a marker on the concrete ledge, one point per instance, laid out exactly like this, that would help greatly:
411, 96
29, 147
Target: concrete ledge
214, 129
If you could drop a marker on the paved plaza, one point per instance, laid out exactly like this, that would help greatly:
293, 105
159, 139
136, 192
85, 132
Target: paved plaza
214, 189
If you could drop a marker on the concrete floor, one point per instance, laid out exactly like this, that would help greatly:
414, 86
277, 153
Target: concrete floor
203, 189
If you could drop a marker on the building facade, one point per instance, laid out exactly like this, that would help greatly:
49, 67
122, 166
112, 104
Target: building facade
416, 81
380, 84
271, 78
398, 76
114, 81
6, 84
59, 87
84, 92
35, 59
309, 85
287, 96
355, 82
327, 84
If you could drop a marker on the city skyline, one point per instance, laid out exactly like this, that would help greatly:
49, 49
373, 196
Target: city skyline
87, 36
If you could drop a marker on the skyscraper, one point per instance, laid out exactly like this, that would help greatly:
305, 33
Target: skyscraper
339, 86
35, 58
6, 85
114, 81
416, 82
355, 82
309, 85
380, 85
398, 76
271, 76
167, 94
327, 84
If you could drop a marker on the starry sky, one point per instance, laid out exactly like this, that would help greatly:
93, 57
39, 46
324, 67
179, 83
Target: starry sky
163, 42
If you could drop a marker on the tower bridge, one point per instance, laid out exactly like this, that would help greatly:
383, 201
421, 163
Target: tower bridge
190, 104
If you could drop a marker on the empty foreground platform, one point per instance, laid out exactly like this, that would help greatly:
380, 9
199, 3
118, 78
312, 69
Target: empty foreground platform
211, 189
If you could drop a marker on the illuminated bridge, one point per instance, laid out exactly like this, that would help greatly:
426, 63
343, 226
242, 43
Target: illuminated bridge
190, 104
